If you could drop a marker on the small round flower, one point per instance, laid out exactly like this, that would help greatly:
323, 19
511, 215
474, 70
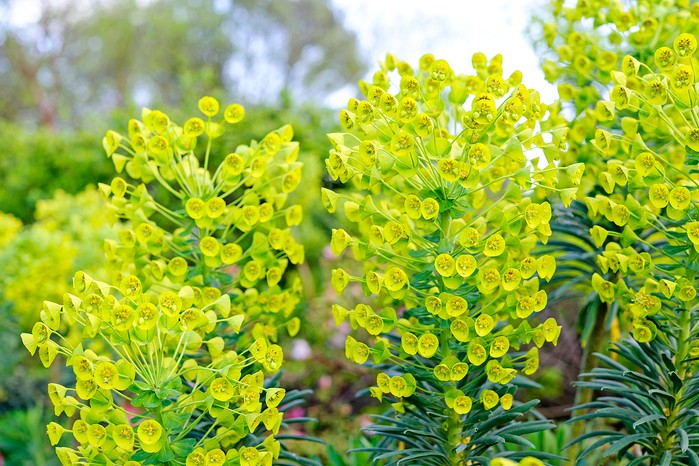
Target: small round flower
195, 207
442, 372
147, 316
459, 329
402, 144
448, 169
131, 286
209, 246
55, 432
395, 278
644, 163
118, 187
440, 70
123, 436
96, 435
692, 139
476, 353
222, 389
656, 92
682, 78
665, 58
680, 198
445, 265
429, 208
469, 237
208, 106
488, 279
511, 279
123, 317
489, 398
466, 265
479, 156
428, 344
546, 266
620, 214
484, 324
234, 113
462, 404
494, 245
215, 207
685, 45
234, 164
459, 371
196, 458
177, 266
156, 121
193, 127
456, 306
106, 375
149, 432
506, 402
659, 195
423, 125
215, 457
499, 346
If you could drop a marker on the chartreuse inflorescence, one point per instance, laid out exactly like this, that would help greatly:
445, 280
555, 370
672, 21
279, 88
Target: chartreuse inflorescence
175, 352
648, 229
446, 207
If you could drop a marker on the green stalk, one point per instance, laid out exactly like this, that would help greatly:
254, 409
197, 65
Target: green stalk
584, 395
667, 436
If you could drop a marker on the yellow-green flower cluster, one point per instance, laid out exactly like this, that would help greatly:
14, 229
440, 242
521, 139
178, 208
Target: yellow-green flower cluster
582, 57
186, 330
67, 236
649, 185
447, 207
227, 227
9, 227
170, 354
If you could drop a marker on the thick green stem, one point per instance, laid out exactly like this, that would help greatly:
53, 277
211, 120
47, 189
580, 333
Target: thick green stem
667, 436
584, 395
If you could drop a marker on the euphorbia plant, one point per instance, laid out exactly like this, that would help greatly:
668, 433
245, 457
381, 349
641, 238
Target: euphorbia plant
176, 351
650, 194
447, 205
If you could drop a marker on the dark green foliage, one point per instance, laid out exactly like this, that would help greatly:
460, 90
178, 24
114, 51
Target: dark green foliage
646, 402
35, 164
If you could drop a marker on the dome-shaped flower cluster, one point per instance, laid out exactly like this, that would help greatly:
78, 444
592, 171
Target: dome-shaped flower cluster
446, 205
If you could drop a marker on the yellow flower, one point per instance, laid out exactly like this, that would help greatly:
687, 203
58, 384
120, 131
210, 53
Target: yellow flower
234, 113
445, 265
395, 278
466, 265
469, 237
123, 436
462, 404
680, 198
665, 58
221, 389
208, 106
479, 156
489, 398
682, 78
428, 344
685, 45
459, 329
494, 245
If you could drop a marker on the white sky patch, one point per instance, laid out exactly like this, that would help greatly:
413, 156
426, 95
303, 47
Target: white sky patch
449, 29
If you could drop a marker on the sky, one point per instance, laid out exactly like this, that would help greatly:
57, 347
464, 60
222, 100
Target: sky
449, 29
